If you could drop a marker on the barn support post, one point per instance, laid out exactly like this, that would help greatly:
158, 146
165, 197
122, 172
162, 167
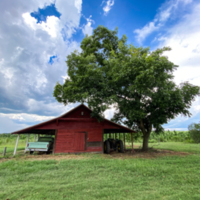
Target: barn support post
103, 141
124, 142
109, 135
115, 136
132, 142
16, 145
119, 136
54, 143
26, 142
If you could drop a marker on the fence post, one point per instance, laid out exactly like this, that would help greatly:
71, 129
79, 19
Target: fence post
16, 145
26, 143
4, 152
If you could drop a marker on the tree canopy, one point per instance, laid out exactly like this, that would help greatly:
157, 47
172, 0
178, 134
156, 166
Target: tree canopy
137, 81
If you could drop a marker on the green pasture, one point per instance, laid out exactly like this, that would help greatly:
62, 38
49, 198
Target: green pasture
101, 177
97, 176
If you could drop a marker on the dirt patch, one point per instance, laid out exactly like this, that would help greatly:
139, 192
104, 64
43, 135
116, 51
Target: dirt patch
57, 157
152, 153
22, 156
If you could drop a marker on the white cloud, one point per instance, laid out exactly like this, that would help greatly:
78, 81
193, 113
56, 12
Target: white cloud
24, 117
145, 31
176, 129
51, 26
108, 6
9, 126
34, 106
165, 12
109, 113
87, 28
27, 79
70, 14
78, 5
184, 40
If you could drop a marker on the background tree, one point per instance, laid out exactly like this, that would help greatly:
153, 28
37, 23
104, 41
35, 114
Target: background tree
194, 130
138, 82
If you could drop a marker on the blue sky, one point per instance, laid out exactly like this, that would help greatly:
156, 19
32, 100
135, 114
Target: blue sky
37, 35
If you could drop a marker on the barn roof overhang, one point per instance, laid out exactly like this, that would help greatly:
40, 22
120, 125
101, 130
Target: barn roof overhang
35, 129
117, 131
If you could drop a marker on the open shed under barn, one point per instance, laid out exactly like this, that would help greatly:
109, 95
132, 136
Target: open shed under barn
76, 131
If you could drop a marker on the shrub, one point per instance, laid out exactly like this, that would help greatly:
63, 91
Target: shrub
153, 141
194, 130
175, 138
7, 140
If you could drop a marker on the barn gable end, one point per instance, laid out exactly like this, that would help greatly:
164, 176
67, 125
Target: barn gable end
76, 131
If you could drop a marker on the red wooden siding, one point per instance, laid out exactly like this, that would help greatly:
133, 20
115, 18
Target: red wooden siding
64, 141
94, 135
77, 113
90, 149
79, 141
74, 140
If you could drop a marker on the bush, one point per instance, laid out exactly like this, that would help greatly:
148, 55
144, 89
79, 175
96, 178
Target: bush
153, 141
194, 130
7, 140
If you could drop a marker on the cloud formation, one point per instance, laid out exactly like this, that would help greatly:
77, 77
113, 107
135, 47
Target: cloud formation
166, 11
184, 40
27, 79
108, 6
87, 28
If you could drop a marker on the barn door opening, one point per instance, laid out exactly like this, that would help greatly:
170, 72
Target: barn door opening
79, 142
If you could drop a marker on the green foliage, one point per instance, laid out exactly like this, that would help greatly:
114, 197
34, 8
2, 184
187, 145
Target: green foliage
166, 136
139, 82
194, 130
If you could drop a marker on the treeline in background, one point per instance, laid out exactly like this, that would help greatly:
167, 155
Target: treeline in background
166, 136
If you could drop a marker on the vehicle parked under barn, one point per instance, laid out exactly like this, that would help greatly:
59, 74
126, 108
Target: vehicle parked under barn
44, 144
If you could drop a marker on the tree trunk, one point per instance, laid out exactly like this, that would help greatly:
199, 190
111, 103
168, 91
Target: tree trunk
146, 133
145, 141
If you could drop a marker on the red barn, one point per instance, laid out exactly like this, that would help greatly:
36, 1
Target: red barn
76, 131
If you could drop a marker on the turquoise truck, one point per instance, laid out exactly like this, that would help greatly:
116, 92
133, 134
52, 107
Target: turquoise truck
44, 144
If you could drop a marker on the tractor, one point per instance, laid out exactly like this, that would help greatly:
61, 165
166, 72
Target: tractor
113, 145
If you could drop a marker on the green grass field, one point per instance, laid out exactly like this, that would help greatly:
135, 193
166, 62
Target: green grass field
96, 176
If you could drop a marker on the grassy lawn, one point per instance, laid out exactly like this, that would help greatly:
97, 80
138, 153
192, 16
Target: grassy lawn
95, 176
175, 146
178, 146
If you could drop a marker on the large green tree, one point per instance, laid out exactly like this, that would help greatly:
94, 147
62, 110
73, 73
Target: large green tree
137, 81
